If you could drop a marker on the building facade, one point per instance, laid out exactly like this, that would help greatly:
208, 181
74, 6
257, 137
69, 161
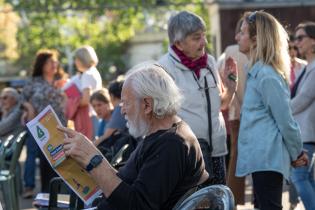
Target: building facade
224, 15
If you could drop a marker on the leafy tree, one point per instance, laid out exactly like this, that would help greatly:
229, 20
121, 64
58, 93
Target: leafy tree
105, 25
8, 28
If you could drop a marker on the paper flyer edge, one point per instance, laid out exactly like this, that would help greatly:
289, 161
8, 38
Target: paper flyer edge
36, 120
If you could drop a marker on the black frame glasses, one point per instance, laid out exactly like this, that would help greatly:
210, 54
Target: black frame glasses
300, 37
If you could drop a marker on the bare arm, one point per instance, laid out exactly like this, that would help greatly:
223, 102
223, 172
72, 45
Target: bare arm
85, 98
28, 114
229, 79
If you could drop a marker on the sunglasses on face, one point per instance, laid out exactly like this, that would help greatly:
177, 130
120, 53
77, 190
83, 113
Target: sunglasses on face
300, 38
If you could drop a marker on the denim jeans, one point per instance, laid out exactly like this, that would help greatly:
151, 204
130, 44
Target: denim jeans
30, 163
303, 180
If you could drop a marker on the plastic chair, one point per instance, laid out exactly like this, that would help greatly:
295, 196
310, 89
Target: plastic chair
57, 186
8, 176
117, 160
214, 197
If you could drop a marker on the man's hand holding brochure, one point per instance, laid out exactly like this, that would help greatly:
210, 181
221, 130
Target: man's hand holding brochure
44, 130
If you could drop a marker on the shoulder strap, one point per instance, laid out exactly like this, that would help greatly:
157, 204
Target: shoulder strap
296, 85
209, 114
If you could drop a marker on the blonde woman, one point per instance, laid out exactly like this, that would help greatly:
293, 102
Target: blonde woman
90, 79
86, 61
269, 138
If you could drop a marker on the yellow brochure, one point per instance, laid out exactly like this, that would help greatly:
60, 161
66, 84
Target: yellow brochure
44, 130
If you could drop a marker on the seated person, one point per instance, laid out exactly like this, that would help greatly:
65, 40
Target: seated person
117, 120
103, 107
166, 163
11, 112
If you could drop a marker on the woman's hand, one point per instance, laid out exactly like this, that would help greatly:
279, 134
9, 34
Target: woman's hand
230, 75
301, 161
78, 146
28, 113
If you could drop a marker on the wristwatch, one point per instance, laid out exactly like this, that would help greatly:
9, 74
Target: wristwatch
94, 162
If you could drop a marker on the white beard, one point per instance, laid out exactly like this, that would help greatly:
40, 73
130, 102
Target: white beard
137, 128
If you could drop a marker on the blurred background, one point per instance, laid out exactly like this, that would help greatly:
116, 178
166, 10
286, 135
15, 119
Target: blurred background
123, 32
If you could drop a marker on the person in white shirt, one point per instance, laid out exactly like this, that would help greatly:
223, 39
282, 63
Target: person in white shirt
85, 59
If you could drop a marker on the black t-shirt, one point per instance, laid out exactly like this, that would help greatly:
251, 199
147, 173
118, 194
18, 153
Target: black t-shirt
164, 166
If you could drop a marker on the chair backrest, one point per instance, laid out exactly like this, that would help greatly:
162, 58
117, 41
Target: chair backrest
214, 197
111, 146
4, 144
10, 151
17, 147
118, 158
56, 186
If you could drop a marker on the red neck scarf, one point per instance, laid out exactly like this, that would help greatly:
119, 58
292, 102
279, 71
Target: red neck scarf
189, 63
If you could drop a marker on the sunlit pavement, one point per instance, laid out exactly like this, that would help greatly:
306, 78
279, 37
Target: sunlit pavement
26, 204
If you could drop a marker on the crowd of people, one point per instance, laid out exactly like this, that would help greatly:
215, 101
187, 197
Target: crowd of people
174, 108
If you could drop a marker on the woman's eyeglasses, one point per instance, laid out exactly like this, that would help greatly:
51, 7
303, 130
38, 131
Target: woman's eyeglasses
214, 84
300, 38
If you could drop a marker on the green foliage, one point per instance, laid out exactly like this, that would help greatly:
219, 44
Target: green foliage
108, 34
105, 25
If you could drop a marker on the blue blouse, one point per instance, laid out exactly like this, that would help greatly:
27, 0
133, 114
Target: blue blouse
269, 138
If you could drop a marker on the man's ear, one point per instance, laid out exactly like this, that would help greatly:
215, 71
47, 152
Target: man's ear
148, 105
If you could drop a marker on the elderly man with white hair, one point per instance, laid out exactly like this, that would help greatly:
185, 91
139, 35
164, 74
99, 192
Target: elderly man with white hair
166, 163
11, 112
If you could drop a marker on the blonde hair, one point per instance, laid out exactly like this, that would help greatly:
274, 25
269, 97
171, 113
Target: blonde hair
271, 42
87, 55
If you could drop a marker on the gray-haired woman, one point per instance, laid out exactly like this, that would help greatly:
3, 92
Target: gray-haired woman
195, 73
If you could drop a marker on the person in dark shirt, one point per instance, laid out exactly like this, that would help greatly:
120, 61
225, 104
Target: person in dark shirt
166, 163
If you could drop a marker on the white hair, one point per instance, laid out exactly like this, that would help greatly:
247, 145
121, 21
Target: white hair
12, 92
153, 81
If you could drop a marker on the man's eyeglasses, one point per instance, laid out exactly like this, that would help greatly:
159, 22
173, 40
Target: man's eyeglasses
300, 38
252, 17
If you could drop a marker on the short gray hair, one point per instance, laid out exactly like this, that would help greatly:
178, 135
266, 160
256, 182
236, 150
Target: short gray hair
153, 81
87, 55
183, 24
12, 92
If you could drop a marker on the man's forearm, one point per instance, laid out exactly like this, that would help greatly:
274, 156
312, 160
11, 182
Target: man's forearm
106, 178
